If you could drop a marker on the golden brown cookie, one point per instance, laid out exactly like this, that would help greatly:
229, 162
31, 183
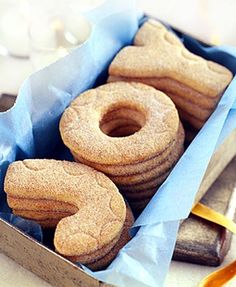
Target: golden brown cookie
129, 131
146, 185
128, 169
157, 170
158, 58
142, 166
103, 262
94, 211
153, 111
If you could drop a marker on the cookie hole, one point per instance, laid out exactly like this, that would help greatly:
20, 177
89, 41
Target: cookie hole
122, 121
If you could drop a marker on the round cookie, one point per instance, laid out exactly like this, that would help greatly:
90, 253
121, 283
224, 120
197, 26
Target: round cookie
129, 131
157, 171
152, 110
128, 169
135, 168
146, 185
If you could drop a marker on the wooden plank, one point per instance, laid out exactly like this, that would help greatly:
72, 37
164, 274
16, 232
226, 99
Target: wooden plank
203, 242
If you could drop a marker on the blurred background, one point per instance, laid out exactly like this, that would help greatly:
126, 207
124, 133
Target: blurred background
35, 33
212, 21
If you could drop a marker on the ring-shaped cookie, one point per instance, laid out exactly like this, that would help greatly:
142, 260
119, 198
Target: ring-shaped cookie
143, 166
152, 110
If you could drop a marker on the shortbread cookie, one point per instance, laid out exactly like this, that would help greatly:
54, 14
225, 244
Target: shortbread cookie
129, 131
146, 185
128, 169
158, 170
124, 238
142, 166
152, 110
158, 58
93, 209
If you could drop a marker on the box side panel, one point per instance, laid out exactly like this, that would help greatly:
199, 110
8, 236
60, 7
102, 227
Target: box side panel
42, 261
220, 159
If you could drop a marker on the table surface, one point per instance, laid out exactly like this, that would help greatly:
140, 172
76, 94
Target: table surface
180, 274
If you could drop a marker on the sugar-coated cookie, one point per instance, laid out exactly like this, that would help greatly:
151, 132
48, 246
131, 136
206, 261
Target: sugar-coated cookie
129, 131
85, 206
159, 59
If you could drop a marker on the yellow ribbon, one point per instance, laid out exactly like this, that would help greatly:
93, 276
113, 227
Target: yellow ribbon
225, 274
211, 215
219, 277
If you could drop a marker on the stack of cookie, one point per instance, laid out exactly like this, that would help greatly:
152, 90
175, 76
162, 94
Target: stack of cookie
142, 179
129, 131
159, 59
90, 215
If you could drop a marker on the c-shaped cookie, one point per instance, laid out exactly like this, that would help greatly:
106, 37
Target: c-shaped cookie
95, 210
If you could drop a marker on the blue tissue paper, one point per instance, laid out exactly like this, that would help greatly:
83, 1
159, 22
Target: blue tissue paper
30, 129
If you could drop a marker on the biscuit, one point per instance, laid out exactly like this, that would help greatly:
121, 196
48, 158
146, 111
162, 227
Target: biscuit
140, 131
171, 87
196, 123
158, 58
157, 171
103, 262
95, 210
152, 110
143, 166
128, 169
146, 185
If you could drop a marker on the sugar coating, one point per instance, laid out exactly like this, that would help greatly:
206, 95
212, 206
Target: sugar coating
129, 169
139, 161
